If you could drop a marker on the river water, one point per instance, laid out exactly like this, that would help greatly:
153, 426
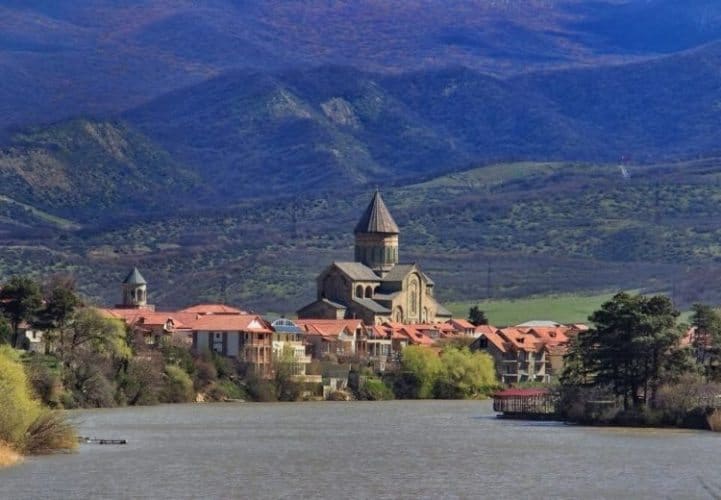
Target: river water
396, 449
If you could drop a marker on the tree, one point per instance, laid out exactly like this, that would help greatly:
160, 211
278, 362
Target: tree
424, 366
6, 331
630, 348
707, 339
284, 369
465, 374
89, 330
20, 300
476, 316
61, 301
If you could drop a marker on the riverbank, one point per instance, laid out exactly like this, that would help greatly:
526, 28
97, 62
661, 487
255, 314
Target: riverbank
8, 456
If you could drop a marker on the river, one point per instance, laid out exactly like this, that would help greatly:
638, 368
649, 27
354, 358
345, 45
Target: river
396, 449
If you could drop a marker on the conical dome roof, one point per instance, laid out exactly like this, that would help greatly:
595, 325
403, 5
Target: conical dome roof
134, 278
377, 218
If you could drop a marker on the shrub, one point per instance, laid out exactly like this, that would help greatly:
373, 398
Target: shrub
464, 374
373, 389
338, 396
175, 353
24, 424
18, 409
140, 384
205, 373
46, 382
224, 367
425, 365
97, 392
178, 387
260, 390
224, 390
49, 433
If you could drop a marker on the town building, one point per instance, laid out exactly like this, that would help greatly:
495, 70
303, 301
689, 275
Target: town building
218, 328
289, 342
245, 337
375, 287
531, 352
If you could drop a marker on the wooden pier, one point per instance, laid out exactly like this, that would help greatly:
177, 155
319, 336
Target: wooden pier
531, 404
88, 440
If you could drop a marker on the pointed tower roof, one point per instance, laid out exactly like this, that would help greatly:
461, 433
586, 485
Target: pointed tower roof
134, 278
377, 218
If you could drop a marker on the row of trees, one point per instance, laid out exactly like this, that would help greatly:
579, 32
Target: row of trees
94, 361
634, 353
454, 373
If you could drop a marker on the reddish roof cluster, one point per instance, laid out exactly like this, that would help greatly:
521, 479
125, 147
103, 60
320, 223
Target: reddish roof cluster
330, 328
531, 339
212, 309
210, 317
147, 318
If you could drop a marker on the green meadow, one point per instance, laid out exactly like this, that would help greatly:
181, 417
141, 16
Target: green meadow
559, 308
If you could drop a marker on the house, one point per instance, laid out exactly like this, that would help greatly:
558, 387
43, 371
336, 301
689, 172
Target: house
34, 338
246, 337
518, 355
532, 351
151, 325
288, 339
462, 327
339, 337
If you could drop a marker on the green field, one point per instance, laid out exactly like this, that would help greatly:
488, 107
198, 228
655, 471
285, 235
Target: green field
559, 308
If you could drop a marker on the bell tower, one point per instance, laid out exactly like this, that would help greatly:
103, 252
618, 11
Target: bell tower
376, 237
135, 291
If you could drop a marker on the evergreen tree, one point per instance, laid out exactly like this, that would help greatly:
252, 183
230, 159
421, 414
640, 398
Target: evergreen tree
476, 316
630, 348
707, 340
20, 300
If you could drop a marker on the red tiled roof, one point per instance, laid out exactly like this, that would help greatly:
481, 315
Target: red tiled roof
329, 327
485, 329
145, 317
496, 340
462, 323
230, 322
516, 393
212, 309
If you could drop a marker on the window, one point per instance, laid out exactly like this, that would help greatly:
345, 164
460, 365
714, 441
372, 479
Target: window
359, 291
218, 342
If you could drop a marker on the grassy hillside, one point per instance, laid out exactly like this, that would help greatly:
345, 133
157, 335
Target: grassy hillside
320, 129
91, 170
503, 231
559, 308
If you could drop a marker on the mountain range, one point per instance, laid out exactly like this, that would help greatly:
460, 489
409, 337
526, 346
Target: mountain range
230, 141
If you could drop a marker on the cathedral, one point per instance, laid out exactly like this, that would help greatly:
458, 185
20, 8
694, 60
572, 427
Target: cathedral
375, 287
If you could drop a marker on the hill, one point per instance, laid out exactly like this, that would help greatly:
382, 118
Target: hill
324, 128
503, 231
91, 170
98, 57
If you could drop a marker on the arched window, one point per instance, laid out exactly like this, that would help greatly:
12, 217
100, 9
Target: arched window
359, 291
369, 292
413, 297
